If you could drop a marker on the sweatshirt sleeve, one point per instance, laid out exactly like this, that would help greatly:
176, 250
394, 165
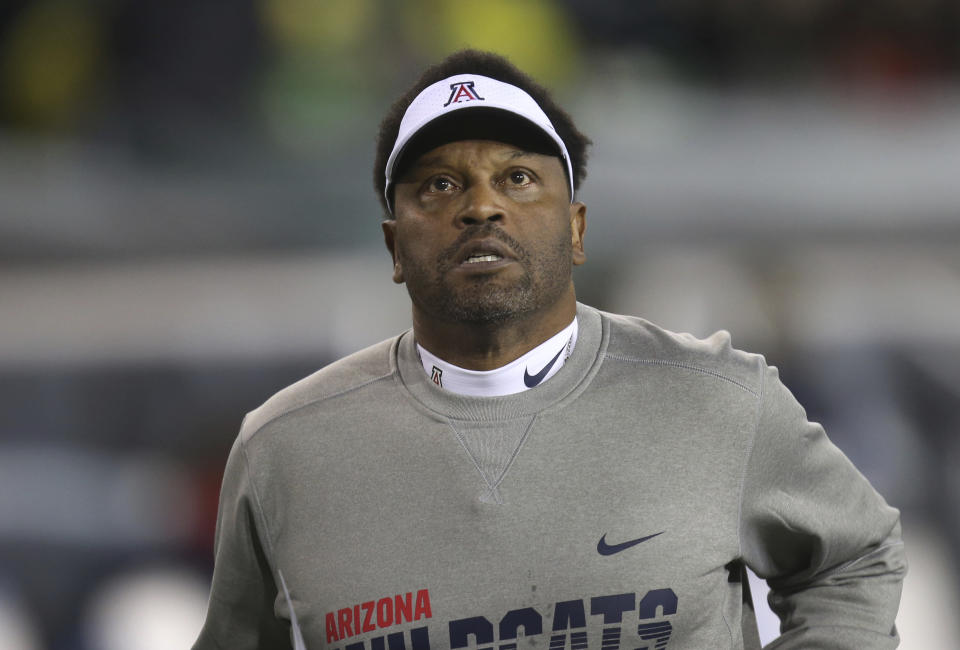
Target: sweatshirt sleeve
814, 528
241, 615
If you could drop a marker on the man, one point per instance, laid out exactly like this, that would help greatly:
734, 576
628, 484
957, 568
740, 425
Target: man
520, 470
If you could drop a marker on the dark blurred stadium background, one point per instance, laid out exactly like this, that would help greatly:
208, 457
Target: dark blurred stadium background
187, 224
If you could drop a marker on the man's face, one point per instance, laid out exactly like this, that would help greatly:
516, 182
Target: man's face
485, 232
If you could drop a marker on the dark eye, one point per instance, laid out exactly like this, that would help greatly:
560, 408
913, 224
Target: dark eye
441, 184
519, 178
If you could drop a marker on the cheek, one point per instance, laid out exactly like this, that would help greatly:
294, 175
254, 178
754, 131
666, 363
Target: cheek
545, 231
413, 247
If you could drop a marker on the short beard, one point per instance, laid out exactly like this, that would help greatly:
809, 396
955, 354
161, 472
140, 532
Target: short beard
484, 302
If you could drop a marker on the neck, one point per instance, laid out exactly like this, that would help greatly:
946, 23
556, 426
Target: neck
487, 346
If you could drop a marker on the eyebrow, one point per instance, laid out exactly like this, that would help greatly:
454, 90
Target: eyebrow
438, 160
426, 162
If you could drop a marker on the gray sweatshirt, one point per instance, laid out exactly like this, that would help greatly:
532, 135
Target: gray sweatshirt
613, 506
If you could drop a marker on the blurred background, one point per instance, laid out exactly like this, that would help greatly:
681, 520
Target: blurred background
187, 224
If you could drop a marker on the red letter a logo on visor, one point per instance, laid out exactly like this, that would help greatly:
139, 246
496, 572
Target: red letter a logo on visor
462, 91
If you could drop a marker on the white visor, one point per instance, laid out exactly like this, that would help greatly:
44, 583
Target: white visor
466, 91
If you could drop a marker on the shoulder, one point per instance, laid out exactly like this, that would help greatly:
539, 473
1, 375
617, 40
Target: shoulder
633, 340
344, 376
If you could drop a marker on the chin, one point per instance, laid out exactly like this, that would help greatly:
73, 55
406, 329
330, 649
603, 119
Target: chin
487, 306
488, 312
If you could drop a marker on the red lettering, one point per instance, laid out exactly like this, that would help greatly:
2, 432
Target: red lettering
461, 92
384, 612
344, 618
390, 610
403, 607
331, 628
422, 608
368, 625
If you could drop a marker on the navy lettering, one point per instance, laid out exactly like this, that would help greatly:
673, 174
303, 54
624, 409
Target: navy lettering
658, 633
477, 626
569, 614
656, 598
395, 641
568, 629
613, 607
419, 640
528, 618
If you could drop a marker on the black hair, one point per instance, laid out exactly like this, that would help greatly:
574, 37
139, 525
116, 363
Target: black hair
490, 65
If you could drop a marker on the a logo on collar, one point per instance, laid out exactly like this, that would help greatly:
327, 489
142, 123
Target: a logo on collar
532, 380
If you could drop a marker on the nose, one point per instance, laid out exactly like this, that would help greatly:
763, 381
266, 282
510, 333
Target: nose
480, 205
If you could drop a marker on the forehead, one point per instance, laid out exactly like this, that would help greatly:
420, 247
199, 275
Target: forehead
481, 152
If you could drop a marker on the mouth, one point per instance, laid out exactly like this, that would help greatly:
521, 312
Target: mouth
480, 253
482, 257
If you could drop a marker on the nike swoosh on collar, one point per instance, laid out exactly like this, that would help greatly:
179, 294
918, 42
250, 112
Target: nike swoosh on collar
532, 380
609, 549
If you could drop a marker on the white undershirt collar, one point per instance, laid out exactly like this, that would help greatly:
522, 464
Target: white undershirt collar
533, 368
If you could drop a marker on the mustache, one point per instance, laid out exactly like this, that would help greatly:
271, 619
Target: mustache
479, 231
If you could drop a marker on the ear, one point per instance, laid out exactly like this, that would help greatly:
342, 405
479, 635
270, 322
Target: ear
389, 238
578, 226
